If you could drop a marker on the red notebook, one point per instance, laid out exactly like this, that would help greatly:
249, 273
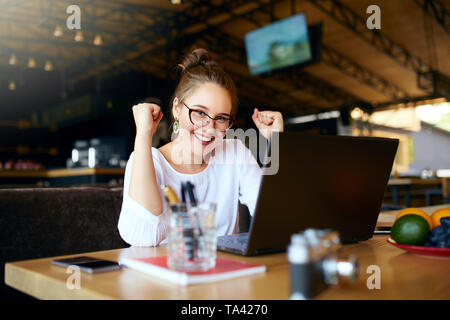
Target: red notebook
224, 269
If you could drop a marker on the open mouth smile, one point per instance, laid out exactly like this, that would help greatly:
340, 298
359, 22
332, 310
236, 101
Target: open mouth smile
204, 140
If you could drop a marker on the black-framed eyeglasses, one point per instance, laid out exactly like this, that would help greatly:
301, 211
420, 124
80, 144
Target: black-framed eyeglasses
199, 118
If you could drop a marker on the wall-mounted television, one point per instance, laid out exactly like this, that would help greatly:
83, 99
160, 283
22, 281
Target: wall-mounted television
282, 44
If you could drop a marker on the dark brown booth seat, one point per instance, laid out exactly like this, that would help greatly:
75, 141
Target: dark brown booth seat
43, 222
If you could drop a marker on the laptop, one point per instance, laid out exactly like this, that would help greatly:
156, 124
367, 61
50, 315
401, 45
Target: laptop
323, 182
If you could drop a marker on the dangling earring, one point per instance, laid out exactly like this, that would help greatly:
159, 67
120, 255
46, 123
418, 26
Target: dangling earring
176, 127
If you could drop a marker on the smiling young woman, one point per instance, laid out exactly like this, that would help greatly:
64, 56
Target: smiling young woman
203, 108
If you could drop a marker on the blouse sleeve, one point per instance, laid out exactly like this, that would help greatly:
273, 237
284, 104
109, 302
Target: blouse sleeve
249, 177
138, 226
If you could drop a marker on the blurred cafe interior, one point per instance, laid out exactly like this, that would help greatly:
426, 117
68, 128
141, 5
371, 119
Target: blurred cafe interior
68, 83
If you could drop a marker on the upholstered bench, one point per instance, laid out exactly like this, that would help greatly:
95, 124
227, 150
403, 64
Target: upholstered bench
43, 222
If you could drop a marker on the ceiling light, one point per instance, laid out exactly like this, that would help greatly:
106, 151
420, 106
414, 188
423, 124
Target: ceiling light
12, 85
79, 36
48, 66
31, 63
98, 41
58, 32
13, 59
175, 1
357, 113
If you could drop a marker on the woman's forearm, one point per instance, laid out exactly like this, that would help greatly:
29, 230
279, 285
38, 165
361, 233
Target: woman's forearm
144, 187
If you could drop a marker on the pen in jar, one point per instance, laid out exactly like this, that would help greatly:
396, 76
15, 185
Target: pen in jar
170, 194
191, 234
183, 193
190, 189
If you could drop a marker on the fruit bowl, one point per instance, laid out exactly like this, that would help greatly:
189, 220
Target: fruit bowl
422, 250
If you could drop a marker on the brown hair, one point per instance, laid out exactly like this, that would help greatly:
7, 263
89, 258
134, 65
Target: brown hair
198, 68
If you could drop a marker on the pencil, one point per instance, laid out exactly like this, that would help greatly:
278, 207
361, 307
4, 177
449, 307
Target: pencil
170, 194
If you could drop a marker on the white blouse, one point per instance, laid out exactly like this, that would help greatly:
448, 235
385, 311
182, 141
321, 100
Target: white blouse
232, 175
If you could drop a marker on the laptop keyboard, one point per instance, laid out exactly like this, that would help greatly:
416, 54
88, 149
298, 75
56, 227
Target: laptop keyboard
235, 241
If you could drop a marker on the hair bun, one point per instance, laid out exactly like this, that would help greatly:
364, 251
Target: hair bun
198, 68
198, 57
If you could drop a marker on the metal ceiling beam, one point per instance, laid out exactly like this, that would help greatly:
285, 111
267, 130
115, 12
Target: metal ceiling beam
6, 52
65, 44
319, 88
411, 101
201, 11
346, 65
351, 68
307, 82
121, 49
351, 20
95, 20
437, 11
51, 22
118, 6
258, 92
196, 16
313, 84
133, 13
153, 26
232, 47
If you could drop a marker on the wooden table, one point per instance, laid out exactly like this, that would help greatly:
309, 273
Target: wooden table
406, 184
410, 181
402, 276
